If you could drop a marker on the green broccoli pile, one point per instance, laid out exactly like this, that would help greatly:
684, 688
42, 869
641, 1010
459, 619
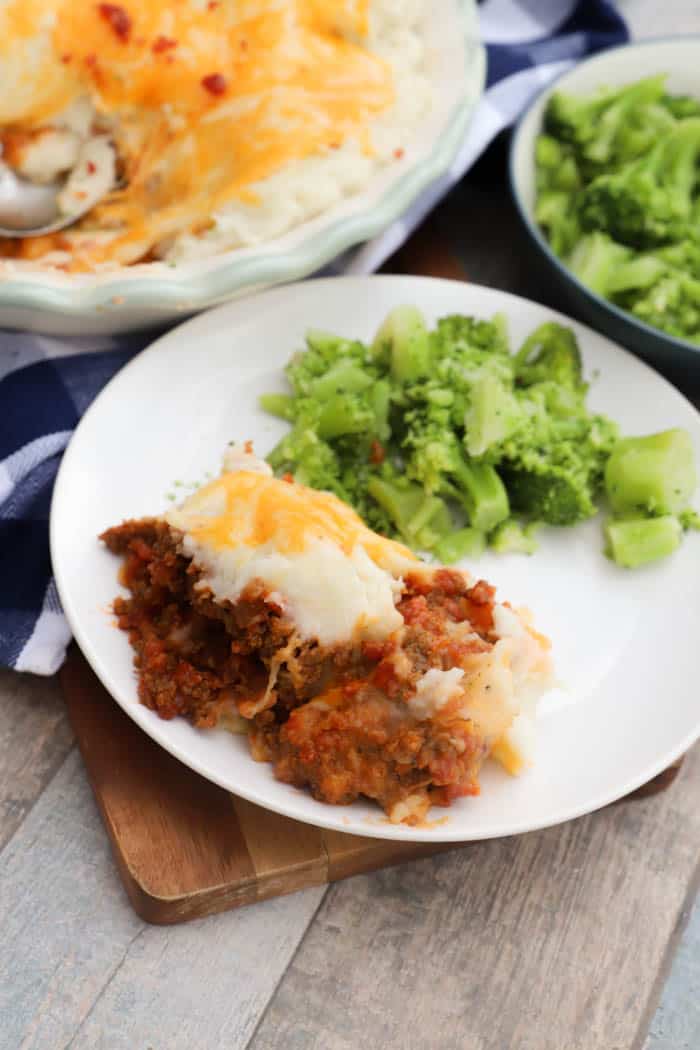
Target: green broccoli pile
448, 441
618, 198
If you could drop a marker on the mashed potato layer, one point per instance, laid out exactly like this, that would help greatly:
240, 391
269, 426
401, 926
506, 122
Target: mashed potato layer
331, 575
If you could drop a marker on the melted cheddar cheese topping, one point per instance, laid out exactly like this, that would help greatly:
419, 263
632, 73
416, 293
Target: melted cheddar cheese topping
204, 99
244, 508
334, 578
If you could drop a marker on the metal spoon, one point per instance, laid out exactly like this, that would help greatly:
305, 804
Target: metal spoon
28, 209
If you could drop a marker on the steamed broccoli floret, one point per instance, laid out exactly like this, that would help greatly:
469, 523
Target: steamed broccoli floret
644, 125
556, 165
403, 343
494, 414
556, 213
681, 106
550, 354
618, 198
459, 336
652, 475
312, 461
649, 201
324, 352
592, 123
420, 519
555, 495
672, 304
553, 470
510, 537
636, 274
345, 414
464, 543
595, 259
436, 459
651, 285
280, 405
638, 541
482, 432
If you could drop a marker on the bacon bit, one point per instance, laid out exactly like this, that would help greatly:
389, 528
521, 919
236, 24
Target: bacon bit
212, 5
66, 59
91, 60
351, 689
80, 195
162, 43
334, 145
289, 478
118, 18
376, 452
243, 45
91, 167
248, 447
399, 153
215, 84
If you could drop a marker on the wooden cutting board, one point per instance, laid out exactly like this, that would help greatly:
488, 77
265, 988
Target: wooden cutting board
187, 848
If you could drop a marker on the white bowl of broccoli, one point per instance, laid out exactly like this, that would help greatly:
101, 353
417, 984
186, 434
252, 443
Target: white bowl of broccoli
605, 171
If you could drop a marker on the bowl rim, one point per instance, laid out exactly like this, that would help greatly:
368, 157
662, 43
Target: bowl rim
533, 229
216, 278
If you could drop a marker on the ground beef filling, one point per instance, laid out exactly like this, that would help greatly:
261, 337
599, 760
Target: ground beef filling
335, 720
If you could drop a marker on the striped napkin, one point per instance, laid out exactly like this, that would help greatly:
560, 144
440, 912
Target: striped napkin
46, 384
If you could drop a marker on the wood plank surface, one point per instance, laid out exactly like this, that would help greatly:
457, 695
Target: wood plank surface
35, 737
676, 1023
552, 941
79, 969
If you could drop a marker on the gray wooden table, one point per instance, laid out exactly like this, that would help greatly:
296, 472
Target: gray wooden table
582, 937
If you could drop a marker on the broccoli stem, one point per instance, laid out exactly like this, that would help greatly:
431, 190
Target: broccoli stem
638, 541
492, 415
422, 520
317, 339
402, 504
653, 475
380, 402
636, 274
430, 526
281, 405
345, 376
510, 537
482, 494
464, 543
403, 340
595, 260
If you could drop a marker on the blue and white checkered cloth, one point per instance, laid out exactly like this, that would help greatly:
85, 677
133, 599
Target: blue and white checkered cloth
46, 384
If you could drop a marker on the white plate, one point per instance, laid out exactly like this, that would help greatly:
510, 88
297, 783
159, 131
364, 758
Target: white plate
45, 300
625, 643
